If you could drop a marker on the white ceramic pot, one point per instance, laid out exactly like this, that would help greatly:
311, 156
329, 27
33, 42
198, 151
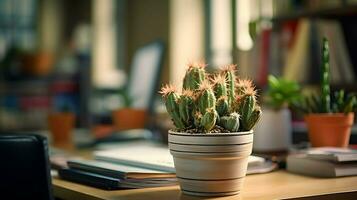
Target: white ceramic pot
273, 132
213, 164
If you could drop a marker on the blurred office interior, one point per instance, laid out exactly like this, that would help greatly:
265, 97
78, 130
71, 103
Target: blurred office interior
82, 56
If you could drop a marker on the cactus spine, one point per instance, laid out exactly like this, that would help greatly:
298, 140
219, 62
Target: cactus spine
325, 86
243, 85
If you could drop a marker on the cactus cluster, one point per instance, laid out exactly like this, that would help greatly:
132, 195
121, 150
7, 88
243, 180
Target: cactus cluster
211, 100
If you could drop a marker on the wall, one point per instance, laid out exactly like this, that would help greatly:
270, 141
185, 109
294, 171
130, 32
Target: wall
147, 21
186, 36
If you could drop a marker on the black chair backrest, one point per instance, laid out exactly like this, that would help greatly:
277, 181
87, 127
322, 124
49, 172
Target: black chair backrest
24, 167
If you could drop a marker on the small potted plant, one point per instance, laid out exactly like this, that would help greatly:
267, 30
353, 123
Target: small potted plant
329, 118
273, 133
127, 117
214, 116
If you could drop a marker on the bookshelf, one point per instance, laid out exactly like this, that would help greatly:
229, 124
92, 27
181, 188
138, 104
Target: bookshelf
307, 22
341, 11
26, 102
294, 47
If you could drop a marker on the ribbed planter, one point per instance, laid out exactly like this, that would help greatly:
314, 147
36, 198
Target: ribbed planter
213, 164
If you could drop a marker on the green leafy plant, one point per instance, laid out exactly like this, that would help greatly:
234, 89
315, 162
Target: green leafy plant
211, 102
339, 102
127, 99
282, 93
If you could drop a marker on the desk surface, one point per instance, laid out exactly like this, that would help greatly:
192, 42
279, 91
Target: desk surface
275, 185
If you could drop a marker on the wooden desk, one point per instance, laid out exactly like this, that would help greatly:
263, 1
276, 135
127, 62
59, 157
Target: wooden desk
276, 185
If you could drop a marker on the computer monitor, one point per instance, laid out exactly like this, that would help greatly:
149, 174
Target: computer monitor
145, 75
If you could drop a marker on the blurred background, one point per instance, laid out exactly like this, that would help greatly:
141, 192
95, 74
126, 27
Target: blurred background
94, 57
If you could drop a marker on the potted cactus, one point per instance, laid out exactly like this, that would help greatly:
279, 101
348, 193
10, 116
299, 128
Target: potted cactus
329, 118
214, 116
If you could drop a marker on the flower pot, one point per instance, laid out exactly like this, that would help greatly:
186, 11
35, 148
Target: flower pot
273, 132
332, 129
38, 64
211, 164
128, 118
61, 126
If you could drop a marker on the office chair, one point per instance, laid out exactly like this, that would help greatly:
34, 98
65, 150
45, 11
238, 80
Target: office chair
24, 167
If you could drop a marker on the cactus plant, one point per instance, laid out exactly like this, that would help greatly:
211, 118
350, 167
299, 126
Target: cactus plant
231, 122
186, 107
171, 97
220, 91
340, 102
229, 73
205, 99
246, 106
325, 85
209, 102
194, 76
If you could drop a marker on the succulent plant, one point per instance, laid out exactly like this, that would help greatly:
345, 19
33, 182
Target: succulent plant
282, 92
210, 101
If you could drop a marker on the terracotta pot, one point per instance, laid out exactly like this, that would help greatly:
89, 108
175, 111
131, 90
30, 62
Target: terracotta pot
333, 129
211, 164
61, 126
128, 118
38, 64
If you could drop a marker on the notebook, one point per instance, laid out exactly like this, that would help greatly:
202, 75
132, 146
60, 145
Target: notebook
110, 183
118, 170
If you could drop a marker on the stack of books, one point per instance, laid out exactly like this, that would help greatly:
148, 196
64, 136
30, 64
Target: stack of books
324, 162
110, 176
